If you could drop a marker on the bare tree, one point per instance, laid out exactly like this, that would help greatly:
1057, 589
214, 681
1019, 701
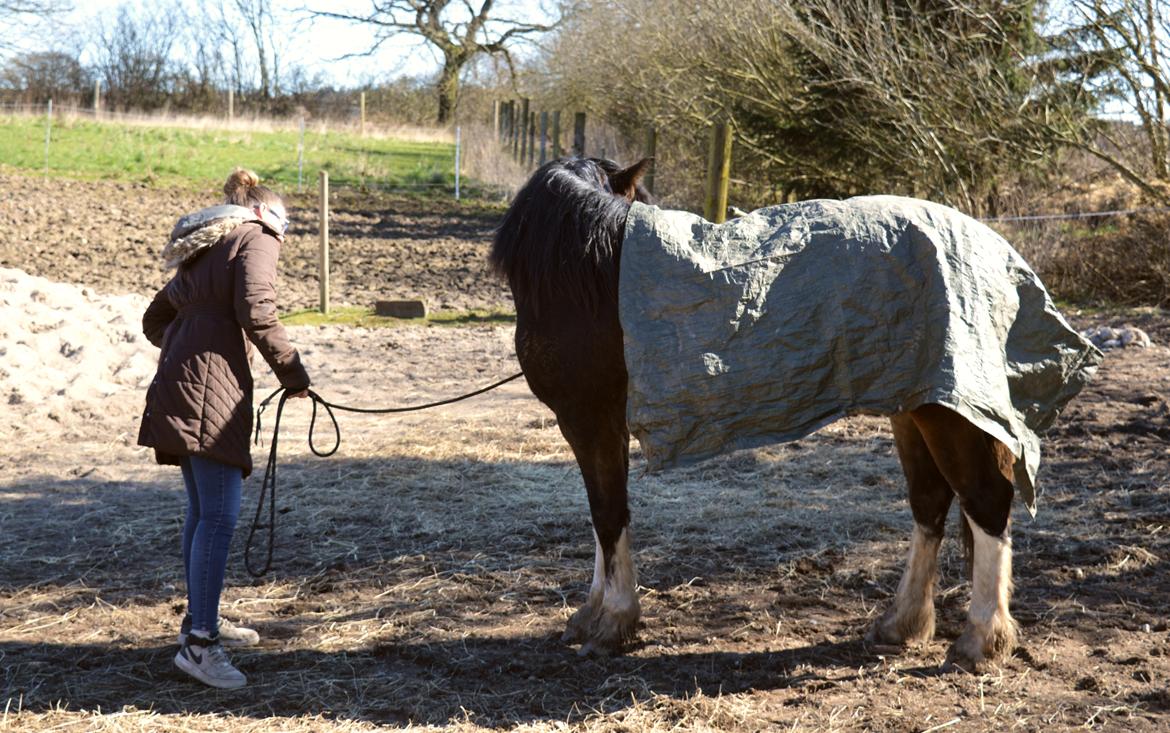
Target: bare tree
459, 31
257, 15
18, 18
45, 75
134, 55
827, 97
1127, 39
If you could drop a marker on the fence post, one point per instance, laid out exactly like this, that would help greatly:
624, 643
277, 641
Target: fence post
579, 134
543, 138
523, 139
323, 252
301, 158
48, 134
457, 141
97, 98
651, 146
516, 131
523, 129
496, 117
531, 139
362, 122
231, 104
556, 135
718, 173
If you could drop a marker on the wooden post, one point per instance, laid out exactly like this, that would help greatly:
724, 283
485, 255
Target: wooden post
543, 138
651, 146
496, 117
323, 252
556, 135
97, 98
458, 132
362, 118
517, 123
579, 134
523, 140
231, 104
522, 130
718, 173
531, 139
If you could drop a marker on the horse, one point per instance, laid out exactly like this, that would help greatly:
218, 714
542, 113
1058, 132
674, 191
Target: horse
559, 247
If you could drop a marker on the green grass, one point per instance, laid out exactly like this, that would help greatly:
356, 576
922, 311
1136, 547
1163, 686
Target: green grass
365, 318
192, 157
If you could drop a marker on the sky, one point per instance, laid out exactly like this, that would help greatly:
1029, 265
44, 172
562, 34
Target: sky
319, 48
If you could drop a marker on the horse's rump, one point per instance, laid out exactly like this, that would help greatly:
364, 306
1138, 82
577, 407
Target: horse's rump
777, 323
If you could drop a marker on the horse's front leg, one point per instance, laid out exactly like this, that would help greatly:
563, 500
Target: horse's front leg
600, 441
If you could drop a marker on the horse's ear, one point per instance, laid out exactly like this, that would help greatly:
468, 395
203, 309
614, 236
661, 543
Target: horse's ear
625, 181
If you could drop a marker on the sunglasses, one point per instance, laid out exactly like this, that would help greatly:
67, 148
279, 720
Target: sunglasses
283, 221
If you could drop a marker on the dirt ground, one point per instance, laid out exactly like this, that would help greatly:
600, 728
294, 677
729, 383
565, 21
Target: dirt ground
424, 573
109, 236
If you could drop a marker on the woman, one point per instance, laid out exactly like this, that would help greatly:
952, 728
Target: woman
199, 406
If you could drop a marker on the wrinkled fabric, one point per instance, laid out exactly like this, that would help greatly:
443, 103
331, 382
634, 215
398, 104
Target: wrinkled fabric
204, 320
768, 327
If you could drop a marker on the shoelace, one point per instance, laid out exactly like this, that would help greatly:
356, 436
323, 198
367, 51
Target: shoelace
218, 658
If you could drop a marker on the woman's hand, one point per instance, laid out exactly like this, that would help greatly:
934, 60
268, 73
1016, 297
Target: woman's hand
302, 393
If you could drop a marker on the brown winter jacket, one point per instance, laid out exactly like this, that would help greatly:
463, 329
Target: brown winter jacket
200, 402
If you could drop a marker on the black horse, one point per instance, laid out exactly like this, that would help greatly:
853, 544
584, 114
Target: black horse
559, 246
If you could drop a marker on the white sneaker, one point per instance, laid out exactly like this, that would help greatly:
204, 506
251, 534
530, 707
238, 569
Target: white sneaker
230, 635
206, 661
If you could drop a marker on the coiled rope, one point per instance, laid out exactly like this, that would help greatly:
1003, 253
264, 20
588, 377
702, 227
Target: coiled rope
268, 486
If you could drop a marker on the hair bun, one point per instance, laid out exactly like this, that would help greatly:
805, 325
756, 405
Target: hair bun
240, 180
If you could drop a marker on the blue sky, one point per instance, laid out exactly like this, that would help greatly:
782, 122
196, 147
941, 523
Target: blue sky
318, 48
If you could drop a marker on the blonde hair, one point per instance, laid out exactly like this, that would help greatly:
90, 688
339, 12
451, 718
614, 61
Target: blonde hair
243, 188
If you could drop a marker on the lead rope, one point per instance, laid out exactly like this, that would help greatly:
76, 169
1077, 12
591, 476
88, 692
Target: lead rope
268, 486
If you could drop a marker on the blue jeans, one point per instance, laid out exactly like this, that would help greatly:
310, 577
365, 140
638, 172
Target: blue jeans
213, 506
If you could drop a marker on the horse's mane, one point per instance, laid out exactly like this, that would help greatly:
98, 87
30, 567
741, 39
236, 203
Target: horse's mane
562, 235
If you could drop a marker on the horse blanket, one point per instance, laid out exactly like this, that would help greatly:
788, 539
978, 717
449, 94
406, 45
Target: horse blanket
772, 325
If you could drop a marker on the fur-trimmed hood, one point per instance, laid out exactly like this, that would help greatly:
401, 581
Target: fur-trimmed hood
197, 231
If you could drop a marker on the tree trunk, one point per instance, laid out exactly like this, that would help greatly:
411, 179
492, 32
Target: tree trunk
448, 90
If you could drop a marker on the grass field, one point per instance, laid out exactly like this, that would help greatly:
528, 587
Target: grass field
179, 156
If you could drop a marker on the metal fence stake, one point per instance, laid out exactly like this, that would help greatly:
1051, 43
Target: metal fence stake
323, 253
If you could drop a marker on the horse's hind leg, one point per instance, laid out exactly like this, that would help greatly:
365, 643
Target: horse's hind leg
910, 619
978, 469
600, 441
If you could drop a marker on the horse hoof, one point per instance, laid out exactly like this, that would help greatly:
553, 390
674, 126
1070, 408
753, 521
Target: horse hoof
577, 627
881, 635
589, 649
958, 661
890, 630
975, 653
601, 633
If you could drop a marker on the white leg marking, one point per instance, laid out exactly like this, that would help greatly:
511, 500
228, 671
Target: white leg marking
597, 587
990, 632
991, 586
911, 617
621, 599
